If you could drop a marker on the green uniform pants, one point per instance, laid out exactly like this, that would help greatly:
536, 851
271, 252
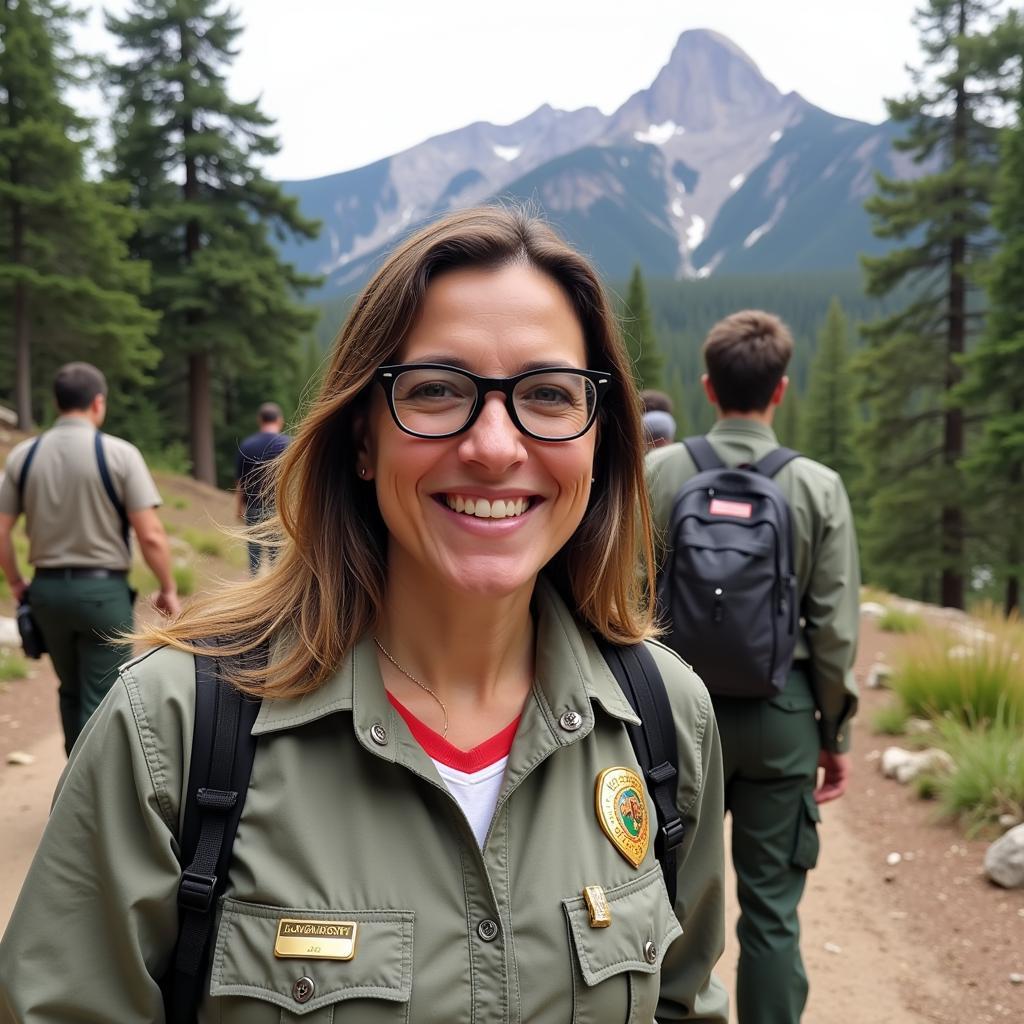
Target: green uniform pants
770, 753
76, 618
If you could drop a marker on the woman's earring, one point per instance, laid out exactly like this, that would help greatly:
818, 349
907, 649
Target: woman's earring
362, 472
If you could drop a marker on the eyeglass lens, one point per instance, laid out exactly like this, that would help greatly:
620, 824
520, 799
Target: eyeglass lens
553, 405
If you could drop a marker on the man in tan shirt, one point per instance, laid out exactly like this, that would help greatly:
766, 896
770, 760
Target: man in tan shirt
82, 493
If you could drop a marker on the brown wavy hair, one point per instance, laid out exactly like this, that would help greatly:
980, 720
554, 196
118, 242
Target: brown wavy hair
326, 587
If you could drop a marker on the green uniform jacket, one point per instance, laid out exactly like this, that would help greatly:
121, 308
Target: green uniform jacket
339, 826
825, 552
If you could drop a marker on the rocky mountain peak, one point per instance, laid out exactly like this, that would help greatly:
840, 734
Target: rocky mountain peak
708, 82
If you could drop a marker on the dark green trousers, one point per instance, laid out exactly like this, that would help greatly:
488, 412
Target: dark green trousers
77, 617
770, 753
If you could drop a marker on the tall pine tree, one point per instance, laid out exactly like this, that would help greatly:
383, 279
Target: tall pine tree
233, 328
638, 330
915, 438
828, 418
67, 286
994, 377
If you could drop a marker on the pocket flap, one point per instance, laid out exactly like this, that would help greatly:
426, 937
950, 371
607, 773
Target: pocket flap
641, 914
244, 962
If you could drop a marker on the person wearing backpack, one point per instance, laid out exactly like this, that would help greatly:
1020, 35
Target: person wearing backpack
83, 492
758, 584
451, 812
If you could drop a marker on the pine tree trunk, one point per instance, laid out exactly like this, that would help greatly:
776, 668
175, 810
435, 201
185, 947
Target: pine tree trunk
22, 336
952, 587
201, 419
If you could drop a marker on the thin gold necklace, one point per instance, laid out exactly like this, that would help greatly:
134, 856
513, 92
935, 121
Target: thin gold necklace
421, 685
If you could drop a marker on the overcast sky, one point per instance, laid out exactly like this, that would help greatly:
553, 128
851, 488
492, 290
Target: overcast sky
350, 81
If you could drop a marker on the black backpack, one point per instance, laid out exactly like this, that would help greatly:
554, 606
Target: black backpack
223, 750
727, 588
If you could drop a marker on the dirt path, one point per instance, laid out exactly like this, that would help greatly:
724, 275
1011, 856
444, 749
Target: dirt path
925, 942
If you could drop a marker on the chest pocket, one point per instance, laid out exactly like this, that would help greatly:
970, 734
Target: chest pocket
619, 967
251, 985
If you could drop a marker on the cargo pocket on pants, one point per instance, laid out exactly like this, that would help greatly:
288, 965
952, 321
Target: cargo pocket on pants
808, 844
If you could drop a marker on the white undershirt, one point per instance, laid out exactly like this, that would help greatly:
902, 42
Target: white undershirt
476, 793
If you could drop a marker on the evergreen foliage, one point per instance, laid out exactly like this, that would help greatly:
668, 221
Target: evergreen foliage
68, 290
995, 382
232, 327
638, 332
914, 535
786, 423
829, 414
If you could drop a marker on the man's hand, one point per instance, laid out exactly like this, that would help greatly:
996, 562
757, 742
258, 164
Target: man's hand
166, 602
837, 772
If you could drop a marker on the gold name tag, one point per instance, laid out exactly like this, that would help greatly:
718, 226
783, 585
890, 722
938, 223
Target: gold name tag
597, 904
316, 940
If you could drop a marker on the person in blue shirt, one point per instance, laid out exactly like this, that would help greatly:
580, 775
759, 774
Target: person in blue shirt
255, 499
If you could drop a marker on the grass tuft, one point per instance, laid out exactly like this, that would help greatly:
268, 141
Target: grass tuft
891, 720
13, 665
185, 579
989, 777
204, 542
973, 681
896, 621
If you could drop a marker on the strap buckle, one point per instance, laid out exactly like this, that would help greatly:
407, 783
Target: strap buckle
672, 833
195, 892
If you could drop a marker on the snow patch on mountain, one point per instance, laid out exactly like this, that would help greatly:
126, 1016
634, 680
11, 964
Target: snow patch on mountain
508, 153
659, 134
695, 232
775, 136
677, 207
736, 180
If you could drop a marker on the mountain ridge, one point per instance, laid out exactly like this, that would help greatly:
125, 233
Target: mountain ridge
710, 169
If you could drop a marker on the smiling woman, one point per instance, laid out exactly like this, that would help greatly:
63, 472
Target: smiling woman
462, 515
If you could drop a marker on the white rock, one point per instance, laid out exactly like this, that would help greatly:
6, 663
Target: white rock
20, 757
872, 609
1004, 859
905, 765
1016, 979
893, 859
878, 676
831, 947
892, 758
1008, 821
9, 636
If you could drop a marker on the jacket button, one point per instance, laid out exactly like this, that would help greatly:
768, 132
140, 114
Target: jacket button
650, 952
303, 989
487, 930
571, 721
378, 734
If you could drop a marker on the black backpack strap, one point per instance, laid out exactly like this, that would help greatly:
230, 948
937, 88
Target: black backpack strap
23, 475
223, 749
774, 461
704, 456
108, 486
654, 743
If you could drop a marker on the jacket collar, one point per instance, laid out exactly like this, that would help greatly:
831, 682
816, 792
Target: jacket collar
571, 675
734, 425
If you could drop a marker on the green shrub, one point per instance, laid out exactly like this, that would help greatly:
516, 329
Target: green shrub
204, 542
891, 720
896, 621
989, 777
185, 579
179, 503
13, 665
973, 682
172, 459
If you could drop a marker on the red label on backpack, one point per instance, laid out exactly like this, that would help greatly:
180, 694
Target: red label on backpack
737, 509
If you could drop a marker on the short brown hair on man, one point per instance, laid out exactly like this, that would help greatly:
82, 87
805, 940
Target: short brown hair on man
270, 412
746, 356
656, 401
76, 385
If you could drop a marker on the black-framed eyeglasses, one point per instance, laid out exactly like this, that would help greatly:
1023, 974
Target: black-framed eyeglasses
433, 400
